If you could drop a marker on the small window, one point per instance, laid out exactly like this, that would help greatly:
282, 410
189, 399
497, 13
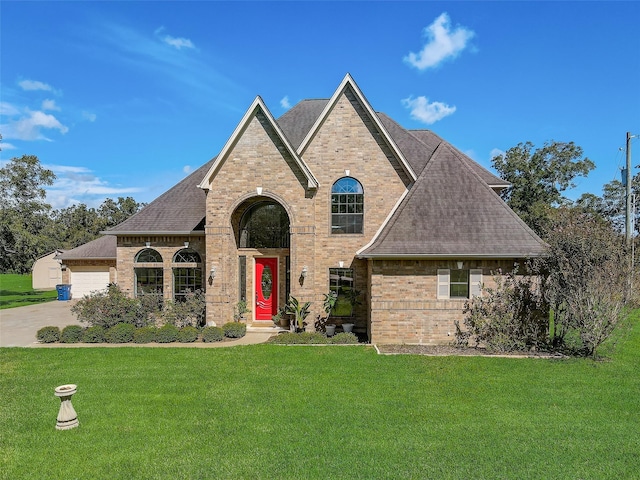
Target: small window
341, 281
186, 255
148, 255
347, 206
454, 284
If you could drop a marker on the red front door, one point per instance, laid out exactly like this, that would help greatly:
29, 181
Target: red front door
266, 288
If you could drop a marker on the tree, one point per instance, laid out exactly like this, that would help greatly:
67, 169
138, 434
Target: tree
612, 204
587, 273
24, 214
539, 177
112, 213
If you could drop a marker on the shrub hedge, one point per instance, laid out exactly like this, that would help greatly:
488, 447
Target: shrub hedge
188, 334
145, 335
71, 334
212, 334
94, 334
167, 334
234, 329
48, 334
120, 333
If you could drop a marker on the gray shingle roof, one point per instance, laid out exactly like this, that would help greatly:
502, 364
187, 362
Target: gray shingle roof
103, 248
451, 212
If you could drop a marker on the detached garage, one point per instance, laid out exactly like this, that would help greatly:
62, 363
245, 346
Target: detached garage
90, 267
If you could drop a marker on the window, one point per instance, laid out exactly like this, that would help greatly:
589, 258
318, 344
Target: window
148, 279
264, 225
459, 283
187, 278
341, 282
347, 206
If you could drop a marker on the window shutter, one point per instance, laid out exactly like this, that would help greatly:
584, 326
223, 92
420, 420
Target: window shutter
443, 284
475, 282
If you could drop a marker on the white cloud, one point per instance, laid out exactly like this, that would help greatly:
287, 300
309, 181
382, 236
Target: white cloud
30, 127
442, 43
35, 85
7, 146
49, 104
187, 169
496, 152
75, 185
284, 103
426, 112
89, 116
178, 43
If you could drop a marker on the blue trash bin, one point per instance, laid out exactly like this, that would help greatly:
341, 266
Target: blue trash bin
64, 292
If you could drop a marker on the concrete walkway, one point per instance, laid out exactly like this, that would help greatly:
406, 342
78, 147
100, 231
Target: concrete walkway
18, 328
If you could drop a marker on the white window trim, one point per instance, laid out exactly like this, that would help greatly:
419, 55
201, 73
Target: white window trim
444, 281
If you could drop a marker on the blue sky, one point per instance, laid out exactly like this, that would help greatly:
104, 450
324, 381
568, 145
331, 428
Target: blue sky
126, 98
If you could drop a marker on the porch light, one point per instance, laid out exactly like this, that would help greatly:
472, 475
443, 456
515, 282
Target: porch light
212, 272
303, 274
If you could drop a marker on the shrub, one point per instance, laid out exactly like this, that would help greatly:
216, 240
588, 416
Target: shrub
120, 333
188, 311
304, 338
234, 329
188, 334
344, 338
212, 334
94, 334
109, 308
71, 334
48, 334
167, 334
511, 317
145, 334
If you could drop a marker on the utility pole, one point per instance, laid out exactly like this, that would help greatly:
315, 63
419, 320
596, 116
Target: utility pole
629, 213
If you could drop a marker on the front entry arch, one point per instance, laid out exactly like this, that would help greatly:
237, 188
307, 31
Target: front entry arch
266, 288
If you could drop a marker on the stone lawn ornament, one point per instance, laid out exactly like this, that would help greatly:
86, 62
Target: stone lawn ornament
67, 416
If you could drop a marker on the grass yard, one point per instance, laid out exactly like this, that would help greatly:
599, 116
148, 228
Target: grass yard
16, 291
269, 411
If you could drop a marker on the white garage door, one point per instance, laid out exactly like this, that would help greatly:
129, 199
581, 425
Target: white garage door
85, 280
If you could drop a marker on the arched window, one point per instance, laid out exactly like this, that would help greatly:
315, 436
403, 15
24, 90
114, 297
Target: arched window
148, 279
347, 206
264, 225
187, 273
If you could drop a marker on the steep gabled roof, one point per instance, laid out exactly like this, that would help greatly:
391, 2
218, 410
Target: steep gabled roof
349, 83
180, 210
103, 248
299, 119
452, 212
256, 107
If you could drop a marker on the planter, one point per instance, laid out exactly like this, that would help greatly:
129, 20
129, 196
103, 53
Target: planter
347, 327
67, 416
330, 330
284, 322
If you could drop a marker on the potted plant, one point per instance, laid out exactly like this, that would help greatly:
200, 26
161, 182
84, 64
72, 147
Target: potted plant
240, 311
281, 319
299, 311
322, 322
352, 295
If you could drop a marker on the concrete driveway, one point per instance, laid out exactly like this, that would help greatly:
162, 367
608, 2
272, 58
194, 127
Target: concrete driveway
18, 326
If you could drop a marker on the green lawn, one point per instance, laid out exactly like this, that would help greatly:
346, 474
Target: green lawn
274, 412
16, 291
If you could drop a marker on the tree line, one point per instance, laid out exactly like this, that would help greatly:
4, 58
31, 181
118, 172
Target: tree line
30, 227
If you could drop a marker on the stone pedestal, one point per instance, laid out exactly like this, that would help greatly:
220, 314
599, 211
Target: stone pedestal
67, 416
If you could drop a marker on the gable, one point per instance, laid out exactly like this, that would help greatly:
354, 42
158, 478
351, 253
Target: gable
452, 212
258, 112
